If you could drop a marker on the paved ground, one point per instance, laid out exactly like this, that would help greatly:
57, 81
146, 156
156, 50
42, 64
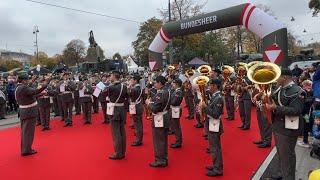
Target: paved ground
10, 121
305, 163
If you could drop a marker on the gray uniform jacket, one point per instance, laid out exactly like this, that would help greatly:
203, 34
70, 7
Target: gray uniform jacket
26, 95
292, 105
215, 108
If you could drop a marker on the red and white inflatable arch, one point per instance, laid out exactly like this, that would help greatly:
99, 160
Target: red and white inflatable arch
272, 32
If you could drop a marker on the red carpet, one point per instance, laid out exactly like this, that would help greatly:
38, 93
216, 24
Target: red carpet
81, 152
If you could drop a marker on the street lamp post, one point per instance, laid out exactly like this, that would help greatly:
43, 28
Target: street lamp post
170, 43
35, 32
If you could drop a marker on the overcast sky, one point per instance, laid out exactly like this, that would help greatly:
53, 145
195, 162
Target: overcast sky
58, 26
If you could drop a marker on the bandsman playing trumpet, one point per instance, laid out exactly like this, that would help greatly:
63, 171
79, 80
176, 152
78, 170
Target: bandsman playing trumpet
214, 110
228, 90
242, 87
136, 108
176, 111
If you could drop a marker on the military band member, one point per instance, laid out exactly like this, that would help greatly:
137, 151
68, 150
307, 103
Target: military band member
44, 109
159, 106
264, 125
287, 124
197, 97
66, 89
118, 94
54, 95
149, 92
229, 97
103, 99
85, 92
189, 98
136, 108
214, 111
59, 100
95, 103
28, 111
176, 112
245, 102
77, 104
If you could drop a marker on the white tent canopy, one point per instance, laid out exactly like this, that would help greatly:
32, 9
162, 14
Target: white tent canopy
132, 66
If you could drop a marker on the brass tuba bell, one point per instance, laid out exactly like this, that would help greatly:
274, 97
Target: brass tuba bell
264, 74
204, 70
201, 82
189, 73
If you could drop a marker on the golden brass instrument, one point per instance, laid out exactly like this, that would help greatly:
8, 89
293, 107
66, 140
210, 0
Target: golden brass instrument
189, 73
241, 73
227, 71
202, 81
204, 70
264, 74
171, 68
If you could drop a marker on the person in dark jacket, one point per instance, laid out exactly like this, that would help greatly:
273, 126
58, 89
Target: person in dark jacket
11, 87
28, 111
85, 98
136, 108
287, 124
104, 100
214, 112
307, 113
159, 105
296, 71
176, 112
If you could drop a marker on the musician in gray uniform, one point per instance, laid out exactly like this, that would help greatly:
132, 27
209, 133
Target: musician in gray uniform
77, 104
287, 124
95, 102
118, 95
28, 111
214, 111
44, 109
54, 95
264, 125
135, 94
159, 106
103, 99
245, 104
86, 100
67, 99
175, 108
189, 98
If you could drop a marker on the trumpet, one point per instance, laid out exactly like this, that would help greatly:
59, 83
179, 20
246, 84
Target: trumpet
264, 74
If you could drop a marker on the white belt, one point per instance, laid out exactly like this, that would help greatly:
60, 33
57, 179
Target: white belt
66, 92
161, 113
174, 106
43, 97
86, 95
118, 104
29, 105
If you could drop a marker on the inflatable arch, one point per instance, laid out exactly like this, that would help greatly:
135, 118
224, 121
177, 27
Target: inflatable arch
273, 33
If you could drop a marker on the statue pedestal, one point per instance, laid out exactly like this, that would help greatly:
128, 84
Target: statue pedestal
93, 54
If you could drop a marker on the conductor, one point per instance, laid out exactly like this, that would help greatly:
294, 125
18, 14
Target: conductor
28, 111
